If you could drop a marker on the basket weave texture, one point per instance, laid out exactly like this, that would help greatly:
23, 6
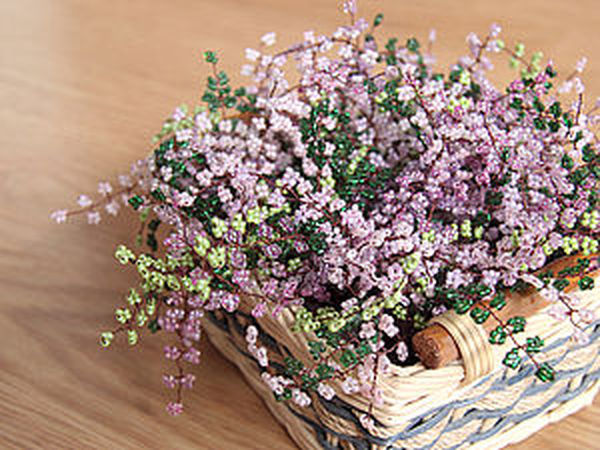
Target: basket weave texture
425, 409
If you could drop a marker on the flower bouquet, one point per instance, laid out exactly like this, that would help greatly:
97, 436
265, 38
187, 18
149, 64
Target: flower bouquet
351, 212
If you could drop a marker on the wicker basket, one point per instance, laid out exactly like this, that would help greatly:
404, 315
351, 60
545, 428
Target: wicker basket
426, 408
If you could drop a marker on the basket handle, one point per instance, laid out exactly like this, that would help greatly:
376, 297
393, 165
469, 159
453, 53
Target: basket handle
447, 337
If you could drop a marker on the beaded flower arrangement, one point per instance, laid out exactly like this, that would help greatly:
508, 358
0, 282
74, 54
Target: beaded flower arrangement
368, 195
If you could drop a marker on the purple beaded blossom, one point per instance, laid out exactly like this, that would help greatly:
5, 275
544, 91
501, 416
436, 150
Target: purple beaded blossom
369, 195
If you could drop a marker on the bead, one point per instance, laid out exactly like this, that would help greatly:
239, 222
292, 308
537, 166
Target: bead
106, 338
512, 359
498, 335
545, 373
132, 337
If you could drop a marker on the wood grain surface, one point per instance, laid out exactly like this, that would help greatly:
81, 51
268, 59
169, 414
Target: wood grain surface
83, 86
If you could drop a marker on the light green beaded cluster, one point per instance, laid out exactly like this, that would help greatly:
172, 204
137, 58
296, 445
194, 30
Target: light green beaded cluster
589, 246
157, 276
332, 320
591, 219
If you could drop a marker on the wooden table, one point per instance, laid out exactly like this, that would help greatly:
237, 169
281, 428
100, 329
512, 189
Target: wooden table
83, 86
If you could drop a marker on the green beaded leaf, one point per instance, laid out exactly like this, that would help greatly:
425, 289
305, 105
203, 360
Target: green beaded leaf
378, 20
561, 284
586, 283
588, 153
479, 315
499, 301
309, 383
292, 366
462, 305
400, 312
512, 359
545, 373
567, 162
210, 57
158, 195
413, 45
152, 242
136, 201
419, 321
493, 198
517, 323
324, 371
153, 225
316, 348
285, 395
498, 335
534, 344
153, 326
348, 358
363, 349
483, 291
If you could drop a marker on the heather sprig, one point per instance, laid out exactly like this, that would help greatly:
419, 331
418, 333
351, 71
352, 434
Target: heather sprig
370, 195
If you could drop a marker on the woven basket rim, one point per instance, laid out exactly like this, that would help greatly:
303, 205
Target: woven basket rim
412, 390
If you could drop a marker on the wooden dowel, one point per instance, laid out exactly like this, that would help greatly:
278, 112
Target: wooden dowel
435, 346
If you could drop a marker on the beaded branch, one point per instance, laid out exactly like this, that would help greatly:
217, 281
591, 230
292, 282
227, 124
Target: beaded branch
369, 195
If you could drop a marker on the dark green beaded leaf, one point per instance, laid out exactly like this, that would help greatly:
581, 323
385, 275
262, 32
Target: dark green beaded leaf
494, 198
550, 72
512, 359
211, 84
517, 103
348, 358
378, 20
561, 284
152, 242
316, 348
567, 162
153, 326
324, 371
499, 301
586, 283
545, 373
498, 335
390, 46
292, 366
534, 344
462, 305
309, 383
479, 315
158, 195
539, 123
154, 224
413, 45
517, 323
136, 201
363, 350
555, 109
210, 57
588, 153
